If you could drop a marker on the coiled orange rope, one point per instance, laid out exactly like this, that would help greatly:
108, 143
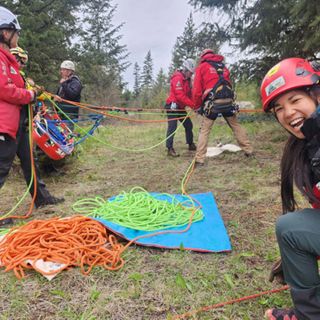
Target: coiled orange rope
77, 241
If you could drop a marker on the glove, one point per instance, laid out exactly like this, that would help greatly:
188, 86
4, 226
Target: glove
173, 106
311, 131
277, 272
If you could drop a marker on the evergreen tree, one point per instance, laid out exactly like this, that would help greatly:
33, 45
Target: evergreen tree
147, 72
268, 31
160, 89
185, 46
147, 79
103, 58
47, 30
160, 83
137, 80
101, 37
211, 36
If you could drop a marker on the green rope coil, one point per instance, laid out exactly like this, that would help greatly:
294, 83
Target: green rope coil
139, 210
4, 231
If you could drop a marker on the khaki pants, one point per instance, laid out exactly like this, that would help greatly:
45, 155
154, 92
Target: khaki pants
238, 131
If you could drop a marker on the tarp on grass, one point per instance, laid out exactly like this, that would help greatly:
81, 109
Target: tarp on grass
207, 235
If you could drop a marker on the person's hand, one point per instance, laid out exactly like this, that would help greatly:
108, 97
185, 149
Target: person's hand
33, 93
173, 106
276, 272
63, 80
57, 98
30, 82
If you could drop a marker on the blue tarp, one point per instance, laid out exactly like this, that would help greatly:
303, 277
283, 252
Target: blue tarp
207, 235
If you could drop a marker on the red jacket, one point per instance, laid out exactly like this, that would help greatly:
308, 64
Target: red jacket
180, 91
12, 94
205, 78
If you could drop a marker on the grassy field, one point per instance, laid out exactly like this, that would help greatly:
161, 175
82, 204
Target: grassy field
157, 283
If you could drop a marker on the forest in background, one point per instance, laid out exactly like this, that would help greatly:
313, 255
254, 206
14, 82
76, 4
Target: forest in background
83, 31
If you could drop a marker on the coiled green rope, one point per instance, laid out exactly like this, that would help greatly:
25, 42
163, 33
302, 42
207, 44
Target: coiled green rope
139, 210
3, 231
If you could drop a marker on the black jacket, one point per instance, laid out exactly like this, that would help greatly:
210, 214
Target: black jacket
71, 89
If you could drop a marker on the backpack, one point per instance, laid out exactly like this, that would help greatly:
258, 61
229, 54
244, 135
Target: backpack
220, 99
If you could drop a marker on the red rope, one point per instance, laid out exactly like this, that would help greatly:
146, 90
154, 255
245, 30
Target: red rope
222, 304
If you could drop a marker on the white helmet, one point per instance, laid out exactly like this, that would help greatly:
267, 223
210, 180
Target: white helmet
67, 64
189, 64
8, 20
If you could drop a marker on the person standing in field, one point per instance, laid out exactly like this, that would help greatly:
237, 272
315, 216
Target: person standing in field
213, 95
179, 98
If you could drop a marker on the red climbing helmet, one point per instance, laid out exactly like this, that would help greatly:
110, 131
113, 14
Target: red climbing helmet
288, 74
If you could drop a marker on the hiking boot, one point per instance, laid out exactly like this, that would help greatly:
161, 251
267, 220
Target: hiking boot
249, 154
280, 314
192, 147
172, 153
48, 201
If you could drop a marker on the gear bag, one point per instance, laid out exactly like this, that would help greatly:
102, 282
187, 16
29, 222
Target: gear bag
221, 97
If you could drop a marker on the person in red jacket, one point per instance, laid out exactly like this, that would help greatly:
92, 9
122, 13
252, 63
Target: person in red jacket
179, 98
291, 91
205, 79
13, 97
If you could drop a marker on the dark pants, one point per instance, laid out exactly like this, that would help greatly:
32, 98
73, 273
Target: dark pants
298, 235
172, 127
21, 146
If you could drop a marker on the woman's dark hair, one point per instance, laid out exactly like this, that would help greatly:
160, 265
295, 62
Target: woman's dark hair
296, 169
1, 36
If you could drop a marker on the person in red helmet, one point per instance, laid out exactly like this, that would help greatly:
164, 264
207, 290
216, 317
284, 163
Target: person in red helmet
13, 98
291, 91
209, 75
180, 97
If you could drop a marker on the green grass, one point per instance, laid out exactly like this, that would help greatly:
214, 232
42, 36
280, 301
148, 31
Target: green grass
158, 283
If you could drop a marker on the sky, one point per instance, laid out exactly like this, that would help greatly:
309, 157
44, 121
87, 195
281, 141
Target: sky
152, 25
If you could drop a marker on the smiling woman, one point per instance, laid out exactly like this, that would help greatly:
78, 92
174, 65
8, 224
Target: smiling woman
291, 91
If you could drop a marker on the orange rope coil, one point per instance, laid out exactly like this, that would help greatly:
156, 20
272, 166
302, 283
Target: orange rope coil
77, 241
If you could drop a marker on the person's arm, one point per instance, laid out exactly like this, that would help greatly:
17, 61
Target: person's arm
72, 88
10, 93
180, 94
197, 89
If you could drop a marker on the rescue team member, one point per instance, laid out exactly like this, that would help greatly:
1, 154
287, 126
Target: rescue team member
14, 95
205, 79
291, 91
179, 97
69, 89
